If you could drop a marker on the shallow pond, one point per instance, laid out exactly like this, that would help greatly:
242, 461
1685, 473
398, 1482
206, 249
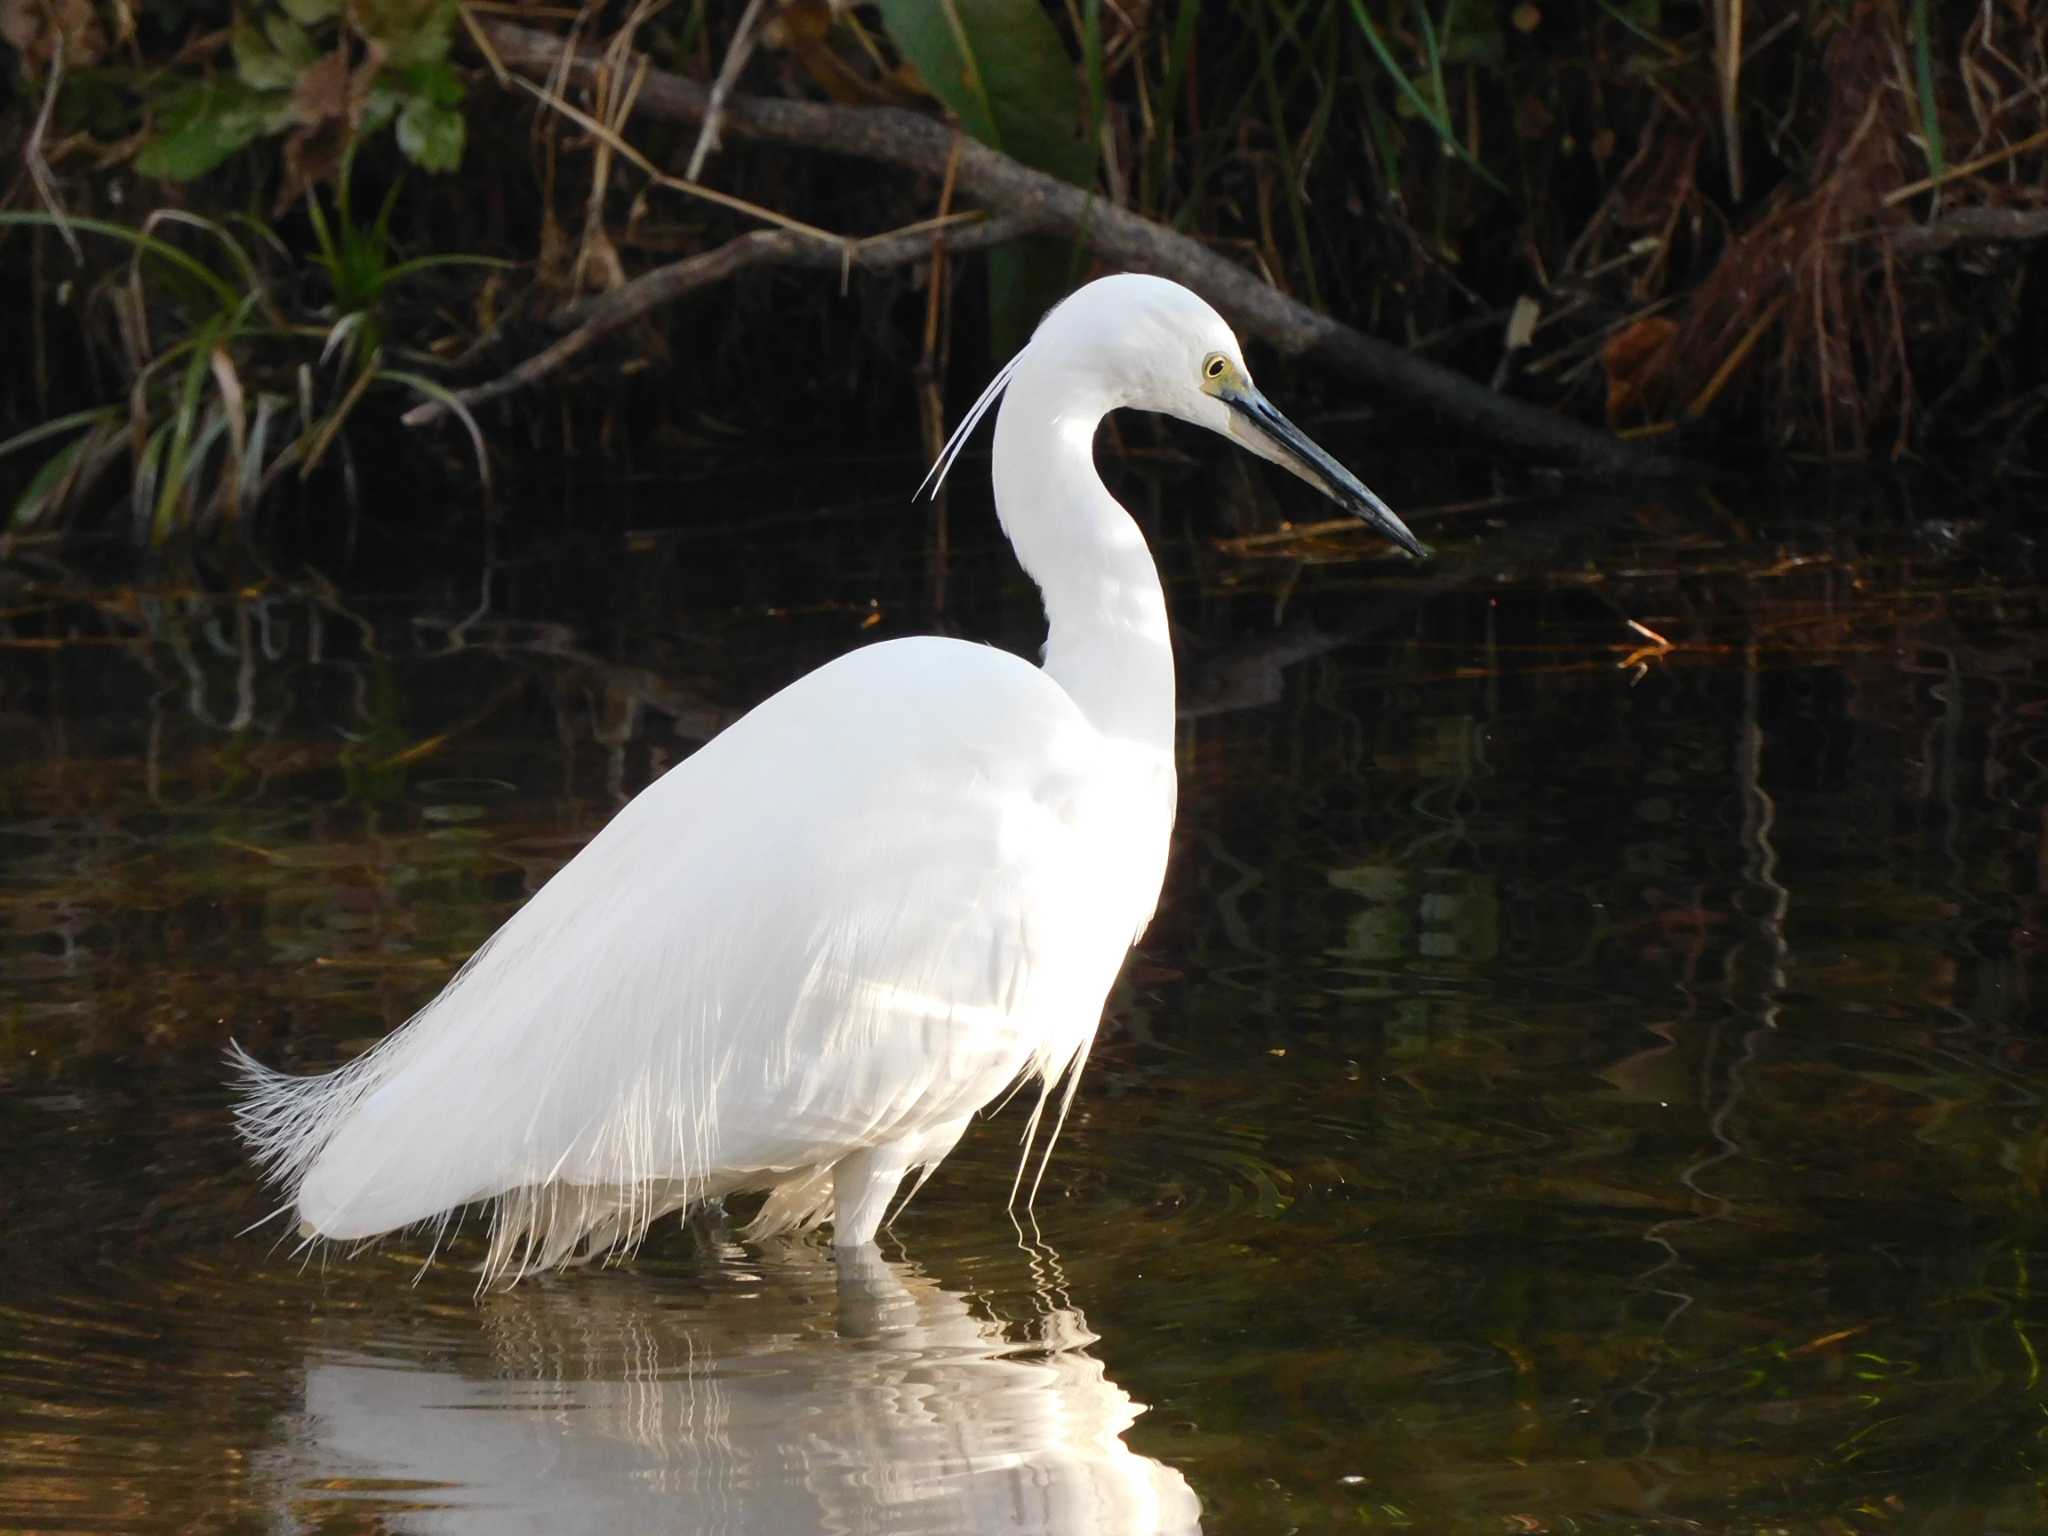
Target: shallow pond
1587, 1073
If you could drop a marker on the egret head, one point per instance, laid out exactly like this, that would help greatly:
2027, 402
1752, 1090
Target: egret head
1151, 345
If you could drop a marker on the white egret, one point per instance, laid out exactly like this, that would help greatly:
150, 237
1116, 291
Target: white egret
799, 961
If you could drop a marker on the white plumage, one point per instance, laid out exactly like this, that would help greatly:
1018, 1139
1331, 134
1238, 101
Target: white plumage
801, 960
903, 1409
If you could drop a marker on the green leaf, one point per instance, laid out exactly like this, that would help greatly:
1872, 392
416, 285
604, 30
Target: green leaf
437, 82
290, 40
206, 122
163, 250
431, 135
46, 489
257, 63
379, 107
409, 31
142, 490
1930, 106
405, 269
57, 428
448, 398
182, 425
1411, 94
268, 407
1025, 279
999, 66
309, 12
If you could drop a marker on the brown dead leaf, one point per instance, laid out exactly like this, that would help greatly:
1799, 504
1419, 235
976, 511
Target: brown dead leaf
327, 102
322, 92
33, 28
806, 31
1631, 357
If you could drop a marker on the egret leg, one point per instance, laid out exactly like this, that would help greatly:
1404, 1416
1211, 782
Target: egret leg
863, 1183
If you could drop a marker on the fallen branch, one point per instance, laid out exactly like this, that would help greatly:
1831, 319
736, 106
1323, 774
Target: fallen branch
1971, 226
664, 285
922, 144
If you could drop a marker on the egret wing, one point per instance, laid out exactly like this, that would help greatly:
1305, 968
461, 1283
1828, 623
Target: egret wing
831, 927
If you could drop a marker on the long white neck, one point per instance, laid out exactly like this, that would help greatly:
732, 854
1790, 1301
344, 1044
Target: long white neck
1107, 642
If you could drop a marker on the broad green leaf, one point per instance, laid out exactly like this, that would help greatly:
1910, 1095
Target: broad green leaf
430, 135
436, 81
1025, 279
257, 62
206, 122
290, 40
308, 12
1000, 67
409, 31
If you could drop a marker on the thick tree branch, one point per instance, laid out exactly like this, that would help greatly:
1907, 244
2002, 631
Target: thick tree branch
606, 313
924, 145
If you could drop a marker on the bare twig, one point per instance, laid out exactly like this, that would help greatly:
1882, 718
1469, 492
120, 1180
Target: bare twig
924, 145
600, 316
1970, 226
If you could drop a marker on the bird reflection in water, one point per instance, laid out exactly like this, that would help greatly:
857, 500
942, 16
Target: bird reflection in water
611, 1404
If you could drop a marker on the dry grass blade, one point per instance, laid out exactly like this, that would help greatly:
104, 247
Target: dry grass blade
481, 40
449, 401
55, 428
250, 484
661, 178
228, 383
938, 221
1290, 541
1728, 70
331, 427
737, 52
1711, 391
38, 165
597, 259
1957, 172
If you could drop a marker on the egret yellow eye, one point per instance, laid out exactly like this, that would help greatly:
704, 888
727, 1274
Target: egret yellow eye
1215, 367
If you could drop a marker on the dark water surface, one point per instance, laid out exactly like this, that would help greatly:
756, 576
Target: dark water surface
1575, 1082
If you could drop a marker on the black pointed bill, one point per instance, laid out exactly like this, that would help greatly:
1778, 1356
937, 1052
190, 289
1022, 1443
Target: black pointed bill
1258, 426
